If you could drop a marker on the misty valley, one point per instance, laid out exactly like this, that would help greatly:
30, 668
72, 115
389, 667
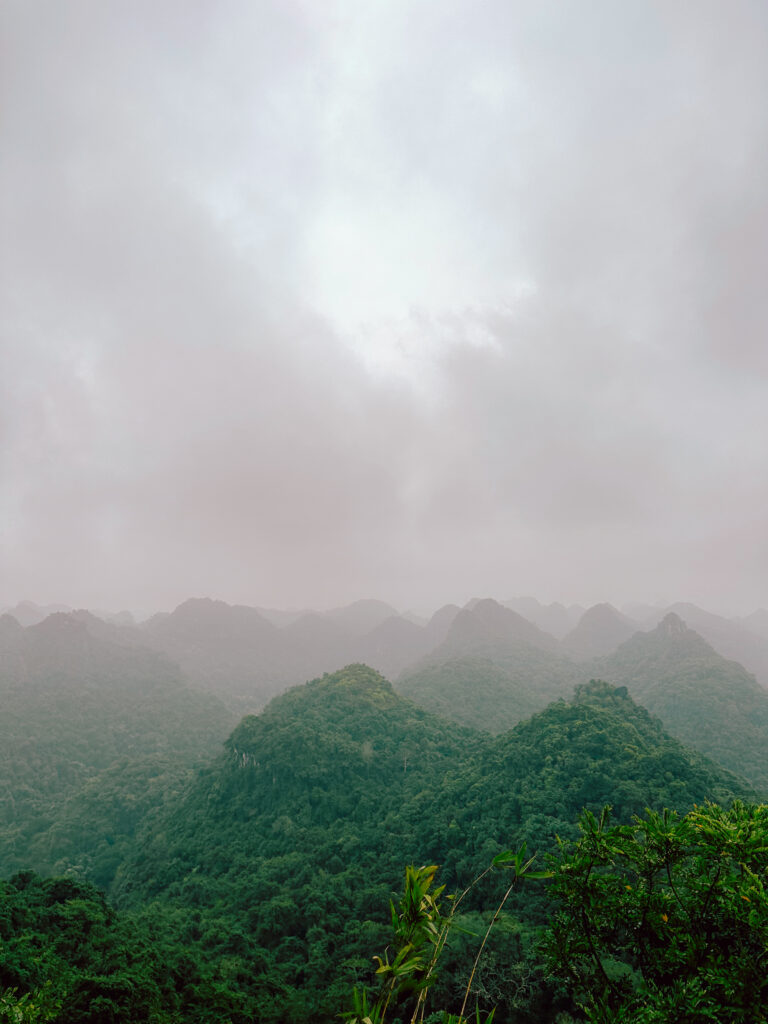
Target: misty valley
233, 814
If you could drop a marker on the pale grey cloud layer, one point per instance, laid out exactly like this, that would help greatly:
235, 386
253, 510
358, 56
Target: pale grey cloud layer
305, 302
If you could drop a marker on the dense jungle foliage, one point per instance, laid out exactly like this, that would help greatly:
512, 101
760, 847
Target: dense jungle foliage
663, 920
260, 892
666, 918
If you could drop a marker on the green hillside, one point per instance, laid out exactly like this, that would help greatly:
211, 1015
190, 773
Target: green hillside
489, 675
92, 735
711, 704
493, 669
471, 691
281, 857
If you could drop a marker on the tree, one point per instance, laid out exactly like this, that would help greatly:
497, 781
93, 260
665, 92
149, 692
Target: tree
666, 919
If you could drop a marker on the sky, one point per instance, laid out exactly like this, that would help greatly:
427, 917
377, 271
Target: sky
421, 300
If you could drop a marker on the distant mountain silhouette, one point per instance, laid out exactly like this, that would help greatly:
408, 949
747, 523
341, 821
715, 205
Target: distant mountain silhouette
757, 622
283, 617
599, 631
318, 643
237, 653
393, 644
493, 669
230, 650
729, 638
552, 618
472, 691
707, 701
486, 623
27, 613
9, 626
361, 617
79, 709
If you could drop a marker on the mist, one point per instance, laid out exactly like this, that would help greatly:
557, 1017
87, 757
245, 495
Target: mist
306, 303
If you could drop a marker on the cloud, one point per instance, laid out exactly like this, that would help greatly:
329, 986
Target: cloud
304, 304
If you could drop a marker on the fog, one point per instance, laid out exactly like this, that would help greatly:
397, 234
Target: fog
302, 303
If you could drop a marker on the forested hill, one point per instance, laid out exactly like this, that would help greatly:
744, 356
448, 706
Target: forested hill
493, 669
92, 734
490, 676
703, 699
599, 747
282, 855
323, 765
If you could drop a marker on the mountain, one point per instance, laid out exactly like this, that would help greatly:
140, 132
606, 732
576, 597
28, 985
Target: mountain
441, 622
293, 839
599, 747
324, 642
27, 613
397, 643
554, 618
9, 627
229, 650
120, 632
356, 619
394, 644
471, 691
643, 613
122, 618
284, 852
245, 659
599, 631
416, 618
76, 709
705, 700
316, 644
280, 617
343, 750
730, 639
493, 669
488, 625
361, 617
757, 622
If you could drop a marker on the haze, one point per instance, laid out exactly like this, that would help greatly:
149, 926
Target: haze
305, 302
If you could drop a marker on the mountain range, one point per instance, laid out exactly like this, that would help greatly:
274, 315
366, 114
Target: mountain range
485, 665
256, 854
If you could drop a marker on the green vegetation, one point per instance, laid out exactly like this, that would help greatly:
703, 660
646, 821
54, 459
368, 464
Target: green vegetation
706, 701
663, 920
291, 843
67, 957
666, 919
489, 679
471, 691
254, 888
421, 930
493, 669
92, 736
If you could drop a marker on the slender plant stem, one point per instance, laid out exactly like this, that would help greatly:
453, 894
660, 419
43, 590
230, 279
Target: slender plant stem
421, 1005
482, 946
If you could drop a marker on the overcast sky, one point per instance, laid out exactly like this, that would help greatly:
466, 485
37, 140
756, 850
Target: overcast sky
309, 301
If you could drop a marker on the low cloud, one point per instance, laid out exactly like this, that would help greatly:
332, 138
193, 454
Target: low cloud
301, 307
